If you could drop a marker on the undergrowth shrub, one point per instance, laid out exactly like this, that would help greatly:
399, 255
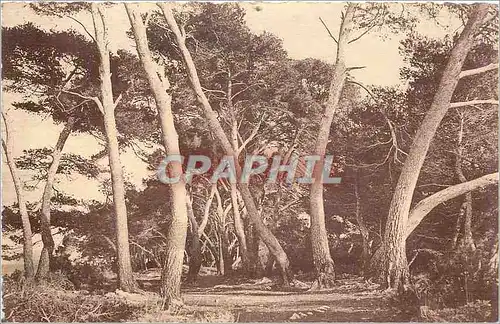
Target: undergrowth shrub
54, 300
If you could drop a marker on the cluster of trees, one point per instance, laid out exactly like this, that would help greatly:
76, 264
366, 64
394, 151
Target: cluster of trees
203, 83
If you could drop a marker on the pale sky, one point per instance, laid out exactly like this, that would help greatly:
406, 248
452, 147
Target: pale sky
296, 23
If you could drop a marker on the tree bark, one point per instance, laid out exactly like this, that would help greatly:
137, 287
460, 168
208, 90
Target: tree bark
393, 268
176, 235
126, 279
323, 262
266, 235
48, 242
8, 145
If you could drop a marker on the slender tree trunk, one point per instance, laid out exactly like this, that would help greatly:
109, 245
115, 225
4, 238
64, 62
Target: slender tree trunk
47, 239
176, 236
323, 262
466, 208
238, 224
195, 249
239, 229
8, 145
363, 229
206, 213
458, 228
126, 279
266, 235
393, 266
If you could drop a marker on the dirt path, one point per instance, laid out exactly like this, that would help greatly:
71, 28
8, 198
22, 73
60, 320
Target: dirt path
352, 300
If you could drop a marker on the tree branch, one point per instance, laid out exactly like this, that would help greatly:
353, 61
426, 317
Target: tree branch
473, 102
328, 30
252, 135
425, 206
94, 99
483, 69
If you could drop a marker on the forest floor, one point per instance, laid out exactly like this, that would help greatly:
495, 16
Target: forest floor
261, 300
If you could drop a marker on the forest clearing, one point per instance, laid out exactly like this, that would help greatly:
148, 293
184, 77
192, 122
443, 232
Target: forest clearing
249, 162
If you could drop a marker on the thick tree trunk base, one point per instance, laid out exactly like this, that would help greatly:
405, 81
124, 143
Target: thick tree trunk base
390, 274
325, 276
43, 265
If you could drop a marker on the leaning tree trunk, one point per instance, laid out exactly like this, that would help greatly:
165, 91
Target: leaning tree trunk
126, 279
392, 266
267, 236
323, 262
8, 145
176, 235
47, 239
467, 241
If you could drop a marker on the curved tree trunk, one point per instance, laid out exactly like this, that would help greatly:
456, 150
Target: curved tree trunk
266, 235
323, 262
393, 266
425, 206
126, 279
170, 289
47, 239
8, 145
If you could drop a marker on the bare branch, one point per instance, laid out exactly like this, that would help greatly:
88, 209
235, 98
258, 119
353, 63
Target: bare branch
483, 69
328, 30
94, 99
362, 34
473, 102
83, 26
252, 135
117, 101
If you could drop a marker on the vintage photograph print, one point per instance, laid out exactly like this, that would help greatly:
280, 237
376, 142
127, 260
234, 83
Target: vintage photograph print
249, 161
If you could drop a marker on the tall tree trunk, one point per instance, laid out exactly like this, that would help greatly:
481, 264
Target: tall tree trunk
126, 279
466, 208
363, 229
195, 248
266, 235
176, 235
47, 239
393, 266
323, 262
238, 224
8, 145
